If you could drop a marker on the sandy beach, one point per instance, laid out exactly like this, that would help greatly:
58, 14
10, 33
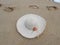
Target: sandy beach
12, 10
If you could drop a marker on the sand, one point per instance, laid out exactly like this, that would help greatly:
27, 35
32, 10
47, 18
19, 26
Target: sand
8, 31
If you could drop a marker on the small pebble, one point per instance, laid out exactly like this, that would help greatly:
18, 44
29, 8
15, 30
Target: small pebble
35, 29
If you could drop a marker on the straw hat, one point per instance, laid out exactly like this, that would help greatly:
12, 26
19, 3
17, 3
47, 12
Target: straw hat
31, 25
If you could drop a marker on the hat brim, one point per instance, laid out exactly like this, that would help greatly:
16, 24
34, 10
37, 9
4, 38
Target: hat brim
28, 33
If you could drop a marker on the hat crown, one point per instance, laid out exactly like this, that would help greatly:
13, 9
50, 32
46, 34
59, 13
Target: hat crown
30, 23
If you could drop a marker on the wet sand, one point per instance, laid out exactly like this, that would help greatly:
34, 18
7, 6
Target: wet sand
8, 19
